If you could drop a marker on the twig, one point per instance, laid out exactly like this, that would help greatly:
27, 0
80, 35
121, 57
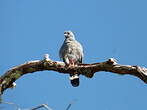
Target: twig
69, 105
41, 106
10, 103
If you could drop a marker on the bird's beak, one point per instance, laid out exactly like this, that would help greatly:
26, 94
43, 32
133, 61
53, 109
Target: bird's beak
65, 34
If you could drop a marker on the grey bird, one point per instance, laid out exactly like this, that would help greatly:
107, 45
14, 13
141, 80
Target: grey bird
71, 52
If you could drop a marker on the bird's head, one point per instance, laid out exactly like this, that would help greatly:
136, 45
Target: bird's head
69, 35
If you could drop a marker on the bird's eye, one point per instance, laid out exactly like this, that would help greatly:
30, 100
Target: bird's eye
68, 33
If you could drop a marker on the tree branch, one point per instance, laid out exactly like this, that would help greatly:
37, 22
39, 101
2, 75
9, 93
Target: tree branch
8, 79
41, 106
34, 108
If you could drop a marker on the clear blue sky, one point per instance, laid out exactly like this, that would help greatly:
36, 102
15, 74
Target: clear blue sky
106, 28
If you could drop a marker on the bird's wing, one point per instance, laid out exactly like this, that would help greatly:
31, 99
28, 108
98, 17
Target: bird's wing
77, 50
63, 51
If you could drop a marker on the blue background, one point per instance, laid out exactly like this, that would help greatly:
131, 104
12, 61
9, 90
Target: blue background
106, 28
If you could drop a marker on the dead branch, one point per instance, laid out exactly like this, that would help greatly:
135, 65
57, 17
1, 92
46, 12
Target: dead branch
41, 106
8, 79
35, 108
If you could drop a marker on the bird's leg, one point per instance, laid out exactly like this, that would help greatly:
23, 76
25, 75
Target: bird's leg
71, 63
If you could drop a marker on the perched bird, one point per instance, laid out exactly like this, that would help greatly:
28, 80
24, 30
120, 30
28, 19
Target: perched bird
71, 52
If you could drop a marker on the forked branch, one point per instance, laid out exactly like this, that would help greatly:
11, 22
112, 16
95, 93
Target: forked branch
7, 80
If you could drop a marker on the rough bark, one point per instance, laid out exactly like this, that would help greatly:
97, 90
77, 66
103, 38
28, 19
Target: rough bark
7, 80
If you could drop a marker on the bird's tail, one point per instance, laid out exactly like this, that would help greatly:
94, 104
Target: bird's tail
74, 79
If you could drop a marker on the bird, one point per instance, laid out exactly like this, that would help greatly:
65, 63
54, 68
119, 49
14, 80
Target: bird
71, 52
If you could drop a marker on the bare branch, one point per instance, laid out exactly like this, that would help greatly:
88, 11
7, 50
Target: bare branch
10, 103
41, 106
69, 105
7, 80
35, 108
